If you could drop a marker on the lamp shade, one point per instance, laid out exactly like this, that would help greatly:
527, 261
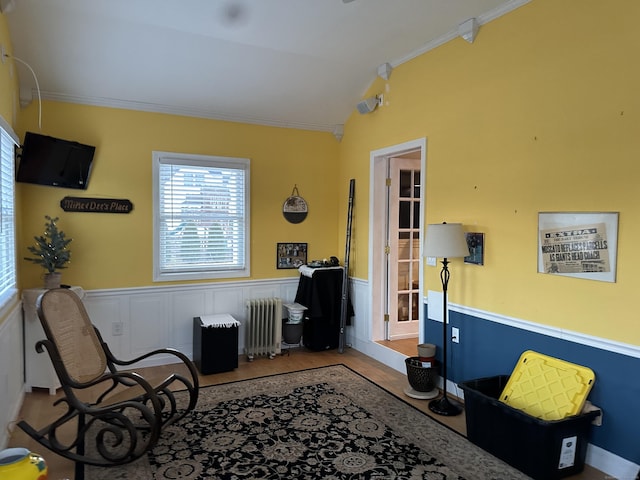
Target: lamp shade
445, 240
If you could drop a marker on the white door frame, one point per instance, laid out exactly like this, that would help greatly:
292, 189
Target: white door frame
377, 240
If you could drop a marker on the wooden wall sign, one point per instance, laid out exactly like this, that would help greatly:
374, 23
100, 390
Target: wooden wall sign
96, 205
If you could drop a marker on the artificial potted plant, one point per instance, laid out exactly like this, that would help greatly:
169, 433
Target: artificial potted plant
50, 251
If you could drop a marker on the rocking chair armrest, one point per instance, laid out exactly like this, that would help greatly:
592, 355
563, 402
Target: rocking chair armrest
116, 361
159, 351
112, 361
171, 351
116, 378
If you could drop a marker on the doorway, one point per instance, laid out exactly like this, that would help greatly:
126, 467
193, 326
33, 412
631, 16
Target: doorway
395, 229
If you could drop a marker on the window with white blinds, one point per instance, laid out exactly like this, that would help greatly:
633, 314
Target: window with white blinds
201, 212
7, 216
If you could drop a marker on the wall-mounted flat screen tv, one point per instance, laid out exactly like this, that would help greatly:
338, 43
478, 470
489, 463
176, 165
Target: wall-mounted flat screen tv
52, 161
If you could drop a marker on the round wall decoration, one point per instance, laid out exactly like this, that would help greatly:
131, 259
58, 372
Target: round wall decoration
295, 208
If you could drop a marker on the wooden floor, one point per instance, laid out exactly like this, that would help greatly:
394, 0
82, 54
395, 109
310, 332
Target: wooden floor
37, 409
408, 346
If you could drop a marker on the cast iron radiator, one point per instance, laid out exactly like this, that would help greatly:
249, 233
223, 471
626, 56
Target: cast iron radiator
264, 327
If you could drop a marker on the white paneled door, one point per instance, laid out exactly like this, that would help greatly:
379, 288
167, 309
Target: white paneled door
404, 248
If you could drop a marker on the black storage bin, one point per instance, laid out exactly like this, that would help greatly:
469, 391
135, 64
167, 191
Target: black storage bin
544, 450
215, 347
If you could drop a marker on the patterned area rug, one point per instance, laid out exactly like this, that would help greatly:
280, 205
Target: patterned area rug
328, 423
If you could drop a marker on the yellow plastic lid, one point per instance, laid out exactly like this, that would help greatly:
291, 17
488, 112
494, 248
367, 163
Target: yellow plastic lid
546, 387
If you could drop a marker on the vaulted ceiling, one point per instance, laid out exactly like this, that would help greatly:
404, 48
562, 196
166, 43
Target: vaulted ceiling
295, 63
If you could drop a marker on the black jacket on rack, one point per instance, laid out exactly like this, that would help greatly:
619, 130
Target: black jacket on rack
322, 295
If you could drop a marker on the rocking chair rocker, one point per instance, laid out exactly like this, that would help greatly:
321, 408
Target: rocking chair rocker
112, 417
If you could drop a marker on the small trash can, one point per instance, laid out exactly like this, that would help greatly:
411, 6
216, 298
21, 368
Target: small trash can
292, 326
215, 343
292, 332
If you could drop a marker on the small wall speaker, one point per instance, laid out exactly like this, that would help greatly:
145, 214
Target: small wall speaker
367, 105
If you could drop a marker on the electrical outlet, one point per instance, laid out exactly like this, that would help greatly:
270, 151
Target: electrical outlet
117, 329
455, 334
431, 261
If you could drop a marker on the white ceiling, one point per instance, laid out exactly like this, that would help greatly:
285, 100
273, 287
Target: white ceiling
295, 63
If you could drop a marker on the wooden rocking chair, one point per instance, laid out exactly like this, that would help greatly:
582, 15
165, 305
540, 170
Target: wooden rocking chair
112, 417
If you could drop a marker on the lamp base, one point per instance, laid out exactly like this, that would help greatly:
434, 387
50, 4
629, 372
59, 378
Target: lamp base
444, 406
410, 392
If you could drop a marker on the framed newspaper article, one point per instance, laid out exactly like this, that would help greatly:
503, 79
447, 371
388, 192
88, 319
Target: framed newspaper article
578, 244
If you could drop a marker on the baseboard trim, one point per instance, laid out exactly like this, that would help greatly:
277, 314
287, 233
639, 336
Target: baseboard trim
611, 464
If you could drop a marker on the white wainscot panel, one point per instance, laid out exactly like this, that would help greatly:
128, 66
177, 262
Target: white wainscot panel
288, 292
361, 325
148, 323
11, 373
186, 306
104, 312
228, 300
262, 291
232, 301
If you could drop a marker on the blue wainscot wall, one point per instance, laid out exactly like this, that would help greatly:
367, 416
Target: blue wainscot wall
491, 345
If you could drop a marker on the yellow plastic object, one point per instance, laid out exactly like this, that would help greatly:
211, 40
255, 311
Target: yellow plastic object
546, 387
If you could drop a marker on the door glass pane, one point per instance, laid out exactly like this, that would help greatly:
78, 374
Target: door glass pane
403, 276
404, 251
416, 184
404, 215
415, 274
403, 307
406, 183
416, 214
415, 305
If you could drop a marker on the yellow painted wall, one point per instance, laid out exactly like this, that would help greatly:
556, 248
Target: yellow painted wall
8, 78
540, 113
115, 250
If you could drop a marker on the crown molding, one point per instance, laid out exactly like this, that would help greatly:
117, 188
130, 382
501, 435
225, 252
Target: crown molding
182, 111
452, 34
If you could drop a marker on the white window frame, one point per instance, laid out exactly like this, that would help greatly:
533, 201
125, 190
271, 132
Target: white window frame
165, 275
8, 275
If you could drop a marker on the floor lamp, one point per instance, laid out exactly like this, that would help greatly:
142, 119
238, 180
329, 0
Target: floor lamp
445, 240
